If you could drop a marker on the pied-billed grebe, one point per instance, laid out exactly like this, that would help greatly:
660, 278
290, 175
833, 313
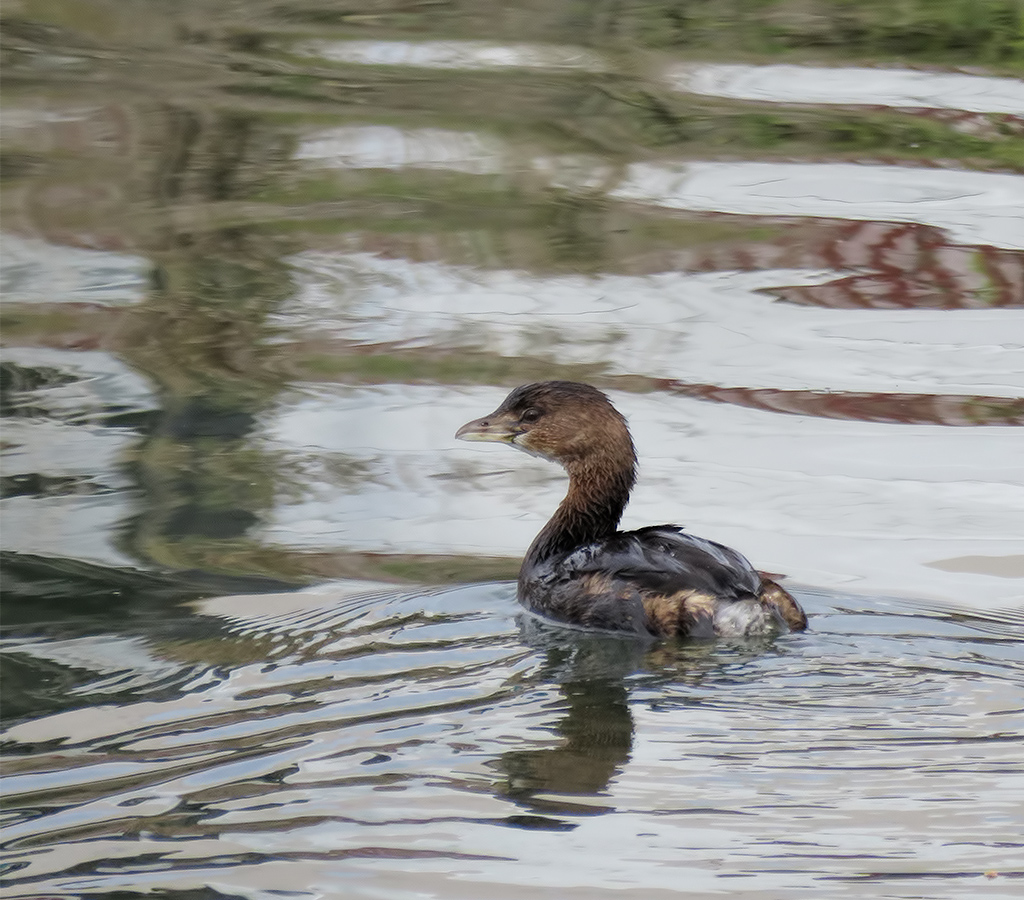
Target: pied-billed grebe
581, 570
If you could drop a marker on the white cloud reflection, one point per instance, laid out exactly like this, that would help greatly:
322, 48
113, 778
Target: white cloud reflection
387, 147
466, 55
71, 447
898, 88
975, 207
35, 271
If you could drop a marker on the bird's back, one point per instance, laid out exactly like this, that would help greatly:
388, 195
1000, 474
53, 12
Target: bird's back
658, 580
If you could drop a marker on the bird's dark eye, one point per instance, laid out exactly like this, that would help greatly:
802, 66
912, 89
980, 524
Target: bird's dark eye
530, 416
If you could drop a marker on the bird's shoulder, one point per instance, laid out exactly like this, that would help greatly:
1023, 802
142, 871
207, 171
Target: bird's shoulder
666, 559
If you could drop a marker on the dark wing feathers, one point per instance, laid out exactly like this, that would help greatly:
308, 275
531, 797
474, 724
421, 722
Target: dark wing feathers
664, 559
662, 581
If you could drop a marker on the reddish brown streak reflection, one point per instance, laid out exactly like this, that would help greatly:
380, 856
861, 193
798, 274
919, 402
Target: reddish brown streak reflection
864, 406
896, 265
914, 266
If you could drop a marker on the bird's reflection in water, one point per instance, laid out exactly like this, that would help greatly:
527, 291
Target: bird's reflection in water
595, 732
596, 739
594, 674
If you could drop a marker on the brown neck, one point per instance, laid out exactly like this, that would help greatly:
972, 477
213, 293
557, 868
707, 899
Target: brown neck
598, 492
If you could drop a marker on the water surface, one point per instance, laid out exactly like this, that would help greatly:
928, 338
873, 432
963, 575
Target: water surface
355, 741
259, 630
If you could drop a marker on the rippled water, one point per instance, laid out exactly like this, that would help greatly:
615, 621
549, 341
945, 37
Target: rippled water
260, 262
355, 741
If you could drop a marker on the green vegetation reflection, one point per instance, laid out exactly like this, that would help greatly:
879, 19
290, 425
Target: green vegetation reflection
171, 134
